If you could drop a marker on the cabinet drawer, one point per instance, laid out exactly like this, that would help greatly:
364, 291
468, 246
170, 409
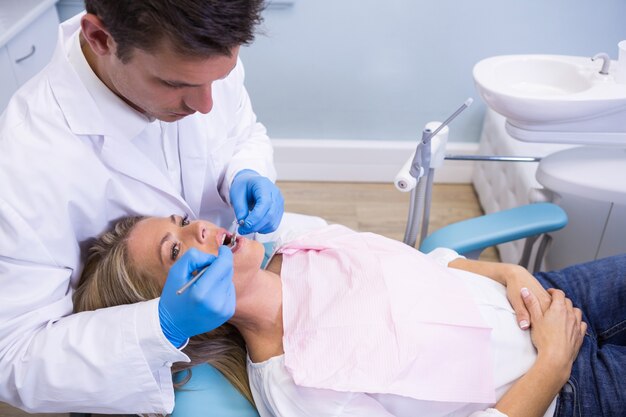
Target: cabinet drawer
32, 48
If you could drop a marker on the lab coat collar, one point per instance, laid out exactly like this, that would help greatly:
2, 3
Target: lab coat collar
126, 122
79, 108
90, 107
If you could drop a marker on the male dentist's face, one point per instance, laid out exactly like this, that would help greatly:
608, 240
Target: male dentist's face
166, 85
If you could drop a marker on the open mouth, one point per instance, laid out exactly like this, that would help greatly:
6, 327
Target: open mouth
229, 240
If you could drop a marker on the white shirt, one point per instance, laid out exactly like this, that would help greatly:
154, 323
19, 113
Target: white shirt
276, 394
72, 161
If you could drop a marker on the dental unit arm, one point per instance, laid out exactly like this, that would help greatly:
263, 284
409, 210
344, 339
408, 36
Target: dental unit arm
469, 237
429, 154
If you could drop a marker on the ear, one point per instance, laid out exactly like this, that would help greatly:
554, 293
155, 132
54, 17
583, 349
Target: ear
96, 34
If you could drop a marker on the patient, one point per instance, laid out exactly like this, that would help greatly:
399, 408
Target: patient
353, 324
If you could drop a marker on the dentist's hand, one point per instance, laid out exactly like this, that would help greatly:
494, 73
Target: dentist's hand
257, 201
207, 304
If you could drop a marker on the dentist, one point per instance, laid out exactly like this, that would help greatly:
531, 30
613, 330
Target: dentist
141, 110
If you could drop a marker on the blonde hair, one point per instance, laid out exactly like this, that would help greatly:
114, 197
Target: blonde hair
109, 278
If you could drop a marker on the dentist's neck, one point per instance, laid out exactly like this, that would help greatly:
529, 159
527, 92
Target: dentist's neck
258, 316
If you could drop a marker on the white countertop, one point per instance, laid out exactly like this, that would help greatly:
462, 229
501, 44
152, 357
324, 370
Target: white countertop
595, 173
15, 15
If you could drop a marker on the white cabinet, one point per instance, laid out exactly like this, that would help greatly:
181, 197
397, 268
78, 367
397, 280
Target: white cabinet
27, 51
69, 8
8, 83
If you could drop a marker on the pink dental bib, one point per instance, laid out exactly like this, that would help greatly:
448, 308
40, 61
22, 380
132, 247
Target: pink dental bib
363, 313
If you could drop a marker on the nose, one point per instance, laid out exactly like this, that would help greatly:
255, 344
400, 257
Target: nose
201, 99
201, 232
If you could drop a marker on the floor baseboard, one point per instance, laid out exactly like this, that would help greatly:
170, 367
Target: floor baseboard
360, 160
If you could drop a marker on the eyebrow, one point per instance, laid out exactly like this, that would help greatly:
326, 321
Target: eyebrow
165, 239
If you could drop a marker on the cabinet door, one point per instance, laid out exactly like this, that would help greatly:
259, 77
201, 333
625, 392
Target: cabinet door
613, 240
31, 49
8, 83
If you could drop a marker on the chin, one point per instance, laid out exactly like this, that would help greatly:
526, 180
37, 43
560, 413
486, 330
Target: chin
257, 253
169, 117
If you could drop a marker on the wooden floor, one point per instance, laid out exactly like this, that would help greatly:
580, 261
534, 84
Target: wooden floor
380, 208
377, 208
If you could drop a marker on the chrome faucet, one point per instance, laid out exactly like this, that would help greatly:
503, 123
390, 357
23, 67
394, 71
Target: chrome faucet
606, 62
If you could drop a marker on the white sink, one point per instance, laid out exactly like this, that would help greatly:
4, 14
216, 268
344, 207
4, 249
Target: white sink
554, 98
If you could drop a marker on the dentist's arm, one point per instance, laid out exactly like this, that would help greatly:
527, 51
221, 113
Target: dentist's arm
114, 360
111, 361
252, 153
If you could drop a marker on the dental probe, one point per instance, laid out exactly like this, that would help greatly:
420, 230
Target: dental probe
231, 244
192, 281
465, 105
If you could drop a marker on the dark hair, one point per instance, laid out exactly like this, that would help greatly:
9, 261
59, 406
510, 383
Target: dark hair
199, 28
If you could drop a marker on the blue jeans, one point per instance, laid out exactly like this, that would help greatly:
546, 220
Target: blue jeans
597, 385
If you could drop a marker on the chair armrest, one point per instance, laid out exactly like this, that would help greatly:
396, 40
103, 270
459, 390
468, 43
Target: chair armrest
492, 229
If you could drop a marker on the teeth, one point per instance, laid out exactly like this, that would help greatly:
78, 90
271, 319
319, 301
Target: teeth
223, 239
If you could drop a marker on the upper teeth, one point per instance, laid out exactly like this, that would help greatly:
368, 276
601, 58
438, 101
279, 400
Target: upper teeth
223, 239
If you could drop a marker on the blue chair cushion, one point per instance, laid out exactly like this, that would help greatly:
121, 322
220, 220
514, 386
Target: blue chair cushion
209, 394
492, 229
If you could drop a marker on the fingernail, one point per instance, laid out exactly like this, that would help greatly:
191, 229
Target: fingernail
524, 324
525, 292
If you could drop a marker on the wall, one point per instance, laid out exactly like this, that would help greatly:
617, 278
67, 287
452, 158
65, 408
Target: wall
379, 70
345, 86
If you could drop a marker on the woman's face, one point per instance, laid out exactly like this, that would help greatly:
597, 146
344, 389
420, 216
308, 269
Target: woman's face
155, 243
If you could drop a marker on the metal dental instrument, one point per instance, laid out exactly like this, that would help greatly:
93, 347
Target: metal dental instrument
231, 244
192, 281
235, 232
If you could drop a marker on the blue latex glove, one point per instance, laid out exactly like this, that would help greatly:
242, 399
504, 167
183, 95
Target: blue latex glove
207, 304
257, 201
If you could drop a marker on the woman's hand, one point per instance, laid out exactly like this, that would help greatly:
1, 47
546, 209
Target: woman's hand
557, 332
514, 278
517, 278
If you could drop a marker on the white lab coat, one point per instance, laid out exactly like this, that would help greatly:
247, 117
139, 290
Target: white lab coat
64, 178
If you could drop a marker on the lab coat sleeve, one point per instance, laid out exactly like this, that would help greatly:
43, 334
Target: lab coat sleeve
114, 360
253, 149
92, 362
